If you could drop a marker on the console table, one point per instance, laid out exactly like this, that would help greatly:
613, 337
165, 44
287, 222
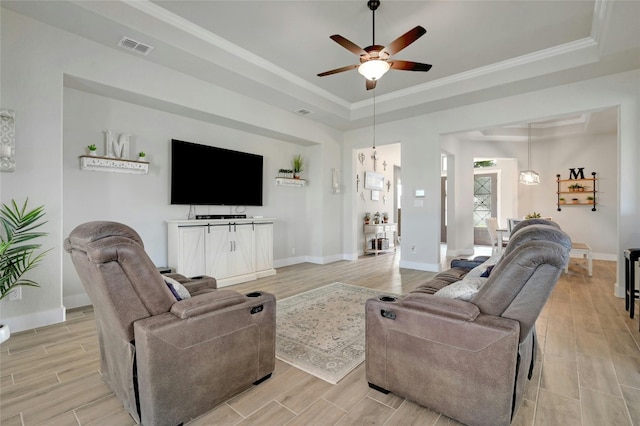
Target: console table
230, 250
380, 237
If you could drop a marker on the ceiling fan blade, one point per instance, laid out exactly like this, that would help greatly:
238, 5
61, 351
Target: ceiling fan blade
409, 66
350, 46
337, 70
404, 40
371, 84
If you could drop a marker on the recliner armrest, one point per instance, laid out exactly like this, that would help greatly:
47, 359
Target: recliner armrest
195, 284
206, 302
452, 308
468, 263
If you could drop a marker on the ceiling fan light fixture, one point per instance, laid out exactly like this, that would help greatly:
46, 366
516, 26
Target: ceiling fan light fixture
373, 69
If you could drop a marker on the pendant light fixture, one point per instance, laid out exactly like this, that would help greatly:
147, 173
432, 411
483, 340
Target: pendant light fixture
529, 177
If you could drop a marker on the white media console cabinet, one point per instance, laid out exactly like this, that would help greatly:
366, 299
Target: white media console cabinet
230, 250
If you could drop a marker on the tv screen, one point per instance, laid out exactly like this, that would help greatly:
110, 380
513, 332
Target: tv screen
207, 175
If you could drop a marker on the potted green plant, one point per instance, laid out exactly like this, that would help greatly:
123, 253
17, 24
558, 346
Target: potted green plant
561, 200
297, 166
142, 156
92, 149
367, 218
575, 201
590, 200
533, 215
18, 255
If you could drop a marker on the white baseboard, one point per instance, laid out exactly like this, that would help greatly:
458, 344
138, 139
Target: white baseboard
429, 267
35, 320
76, 301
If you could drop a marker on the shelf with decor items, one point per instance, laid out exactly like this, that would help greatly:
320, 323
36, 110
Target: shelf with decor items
577, 192
115, 165
298, 183
379, 237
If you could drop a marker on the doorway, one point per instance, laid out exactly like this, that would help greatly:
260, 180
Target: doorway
485, 205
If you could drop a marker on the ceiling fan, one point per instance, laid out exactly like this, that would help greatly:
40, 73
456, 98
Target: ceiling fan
374, 59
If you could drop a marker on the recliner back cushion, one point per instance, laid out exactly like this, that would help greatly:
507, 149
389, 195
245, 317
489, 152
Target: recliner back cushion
122, 282
522, 281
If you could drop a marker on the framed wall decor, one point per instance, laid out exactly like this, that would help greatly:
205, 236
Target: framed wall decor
374, 181
7, 140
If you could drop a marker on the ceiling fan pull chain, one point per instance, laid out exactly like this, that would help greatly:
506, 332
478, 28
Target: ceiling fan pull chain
374, 118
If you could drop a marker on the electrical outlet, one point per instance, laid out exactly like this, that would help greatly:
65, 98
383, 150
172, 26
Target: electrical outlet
16, 294
413, 249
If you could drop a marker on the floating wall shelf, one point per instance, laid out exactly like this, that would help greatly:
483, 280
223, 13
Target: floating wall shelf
115, 165
108, 164
290, 182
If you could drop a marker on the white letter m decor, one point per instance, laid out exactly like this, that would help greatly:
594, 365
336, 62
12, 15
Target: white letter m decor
117, 148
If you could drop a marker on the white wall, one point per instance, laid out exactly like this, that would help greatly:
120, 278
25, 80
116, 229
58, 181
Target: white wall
38, 59
420, 139
549, 157
142, 201
386, 153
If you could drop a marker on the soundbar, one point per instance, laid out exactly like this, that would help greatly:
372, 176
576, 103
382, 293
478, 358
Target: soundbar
221, 216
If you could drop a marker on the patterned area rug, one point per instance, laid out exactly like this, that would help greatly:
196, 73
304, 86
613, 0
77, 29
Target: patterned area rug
322, 331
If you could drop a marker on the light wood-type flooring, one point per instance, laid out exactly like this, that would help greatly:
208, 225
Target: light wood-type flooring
588, 371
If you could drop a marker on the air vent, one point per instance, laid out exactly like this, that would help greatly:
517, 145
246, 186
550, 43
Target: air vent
303, 111
135, 46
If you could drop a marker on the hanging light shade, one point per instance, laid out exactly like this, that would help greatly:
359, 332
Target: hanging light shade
373, 69
529, 176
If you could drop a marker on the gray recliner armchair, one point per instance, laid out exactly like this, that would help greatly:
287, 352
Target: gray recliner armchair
469, 359
169, 360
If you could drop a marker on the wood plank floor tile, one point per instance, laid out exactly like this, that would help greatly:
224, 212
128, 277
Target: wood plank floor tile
222, 415
560, 376
320, 413
259, 396
411, 414
119, 418
598, 374
555, 409
632, 401
350, 390
367, 412
602, 409
271, 414
298, 397
95, 410
65, 419
50, 374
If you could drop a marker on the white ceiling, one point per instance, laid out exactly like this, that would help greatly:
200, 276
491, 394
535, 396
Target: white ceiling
272, 50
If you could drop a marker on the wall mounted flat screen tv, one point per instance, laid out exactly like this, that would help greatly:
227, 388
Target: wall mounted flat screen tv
207, 175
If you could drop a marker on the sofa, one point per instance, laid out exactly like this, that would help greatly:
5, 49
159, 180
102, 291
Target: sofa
466, 348
171, 347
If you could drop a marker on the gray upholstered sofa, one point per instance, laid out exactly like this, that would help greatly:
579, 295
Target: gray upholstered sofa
469, 359
170, 349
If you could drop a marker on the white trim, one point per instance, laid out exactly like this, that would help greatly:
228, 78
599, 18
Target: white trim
76, 301
429, 267
36, 319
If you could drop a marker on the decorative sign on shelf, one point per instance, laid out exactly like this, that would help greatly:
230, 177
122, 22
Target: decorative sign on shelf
117, 148
576, 175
